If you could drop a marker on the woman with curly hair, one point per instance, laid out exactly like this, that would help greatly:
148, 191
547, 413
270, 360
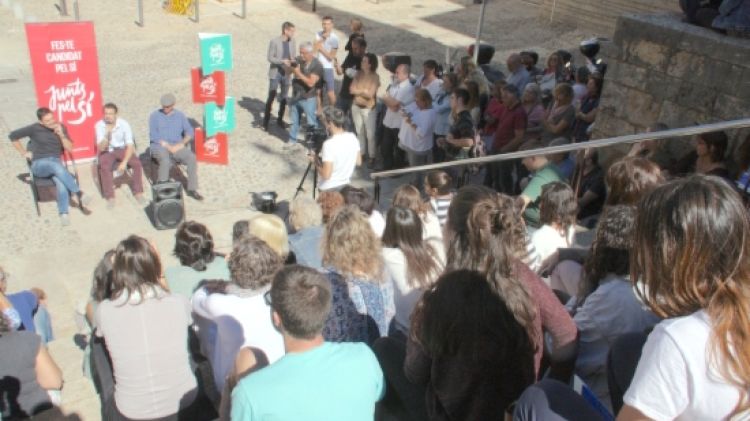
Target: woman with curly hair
237, 309
606, 305
363, 305
485, 232
695, 270
194, 247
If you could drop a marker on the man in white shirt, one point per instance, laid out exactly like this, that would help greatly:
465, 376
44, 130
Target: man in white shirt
114, 140
326, 46
340, 153
400, 93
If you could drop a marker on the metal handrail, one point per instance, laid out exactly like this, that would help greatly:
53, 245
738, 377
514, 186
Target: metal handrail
599, 143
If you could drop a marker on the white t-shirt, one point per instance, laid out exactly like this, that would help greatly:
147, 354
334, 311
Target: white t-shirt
342, 150
419, 139
122, 134
330, 43
406, 296
546, 240
377, 222
674, 381
238, 322
434, 88
403, 92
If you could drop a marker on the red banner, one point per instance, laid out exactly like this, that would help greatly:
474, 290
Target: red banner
214, 150
208, 88
66, 77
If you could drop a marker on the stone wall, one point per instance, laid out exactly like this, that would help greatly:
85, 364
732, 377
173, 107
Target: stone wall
663, 70
600, 16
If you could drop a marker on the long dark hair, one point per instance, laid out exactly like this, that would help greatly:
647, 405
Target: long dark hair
488, 235
136, 268
610, 252
558, 204
461, 316
101, 288
692, 240
403, 230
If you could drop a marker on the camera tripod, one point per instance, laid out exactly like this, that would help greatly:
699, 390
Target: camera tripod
310, 166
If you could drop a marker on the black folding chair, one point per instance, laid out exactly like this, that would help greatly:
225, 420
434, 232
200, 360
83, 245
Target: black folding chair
44, 189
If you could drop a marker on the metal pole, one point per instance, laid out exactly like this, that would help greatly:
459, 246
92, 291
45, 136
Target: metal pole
315, 5
139, 22
243, 15
599, 143
62, 7
479, 30
75, 11
196, 11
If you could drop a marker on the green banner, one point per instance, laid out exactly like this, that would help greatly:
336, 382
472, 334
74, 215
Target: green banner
220, 119
216, 52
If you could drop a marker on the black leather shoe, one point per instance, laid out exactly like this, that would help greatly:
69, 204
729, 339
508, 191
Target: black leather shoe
195, 195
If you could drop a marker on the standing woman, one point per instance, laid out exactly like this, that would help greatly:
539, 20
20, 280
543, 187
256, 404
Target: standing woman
695, 271
364, 89
586, 113
146, 331
412, 262
362, 290
442, 105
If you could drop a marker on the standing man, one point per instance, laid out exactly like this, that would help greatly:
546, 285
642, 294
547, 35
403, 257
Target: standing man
347, 377
339, 154
510, 131
114, 140
519, 76
352, 63
280, 54
307, 72
48, 138
399, 93
326, 46
170, 134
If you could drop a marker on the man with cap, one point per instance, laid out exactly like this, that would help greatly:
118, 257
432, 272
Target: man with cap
170, 134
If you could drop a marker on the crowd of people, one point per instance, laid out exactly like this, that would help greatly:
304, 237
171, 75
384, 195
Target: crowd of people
453, 304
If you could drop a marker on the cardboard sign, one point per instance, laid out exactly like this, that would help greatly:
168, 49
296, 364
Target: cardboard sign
216, 52
214, 150
210, 88
66, 77
220, 119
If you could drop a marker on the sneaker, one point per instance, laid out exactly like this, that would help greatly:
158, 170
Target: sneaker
64, 219
84, 199
141, 200
110, 204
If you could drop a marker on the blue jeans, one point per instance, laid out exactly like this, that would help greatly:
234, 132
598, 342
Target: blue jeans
65, 184
308, 106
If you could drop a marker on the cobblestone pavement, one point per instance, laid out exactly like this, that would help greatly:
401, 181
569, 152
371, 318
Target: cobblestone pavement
137, 65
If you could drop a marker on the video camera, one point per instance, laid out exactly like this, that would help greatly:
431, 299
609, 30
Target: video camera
314, 137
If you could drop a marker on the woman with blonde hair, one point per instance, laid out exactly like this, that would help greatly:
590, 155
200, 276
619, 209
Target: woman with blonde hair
695, 270
271, 229
363, 305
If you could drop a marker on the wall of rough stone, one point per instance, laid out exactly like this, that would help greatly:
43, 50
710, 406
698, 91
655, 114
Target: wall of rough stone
663, 70
600, 16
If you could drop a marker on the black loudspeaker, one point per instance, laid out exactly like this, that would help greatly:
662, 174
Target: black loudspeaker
167, 207
392, 60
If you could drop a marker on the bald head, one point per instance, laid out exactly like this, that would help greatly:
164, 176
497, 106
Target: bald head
514, 62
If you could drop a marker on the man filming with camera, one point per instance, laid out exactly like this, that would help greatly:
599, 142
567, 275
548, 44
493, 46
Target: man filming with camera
307, 72
339, 154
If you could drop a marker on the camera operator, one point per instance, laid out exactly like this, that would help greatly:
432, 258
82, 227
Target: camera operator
339, 154
307, 72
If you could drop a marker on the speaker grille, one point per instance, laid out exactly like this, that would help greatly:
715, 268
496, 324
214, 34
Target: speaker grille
168, 213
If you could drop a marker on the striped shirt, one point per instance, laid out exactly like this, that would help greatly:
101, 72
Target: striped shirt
440, 206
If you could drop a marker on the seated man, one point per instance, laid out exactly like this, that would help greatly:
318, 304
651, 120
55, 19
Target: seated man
315, 380
170, 134
48, 138
114, 139
542, 172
